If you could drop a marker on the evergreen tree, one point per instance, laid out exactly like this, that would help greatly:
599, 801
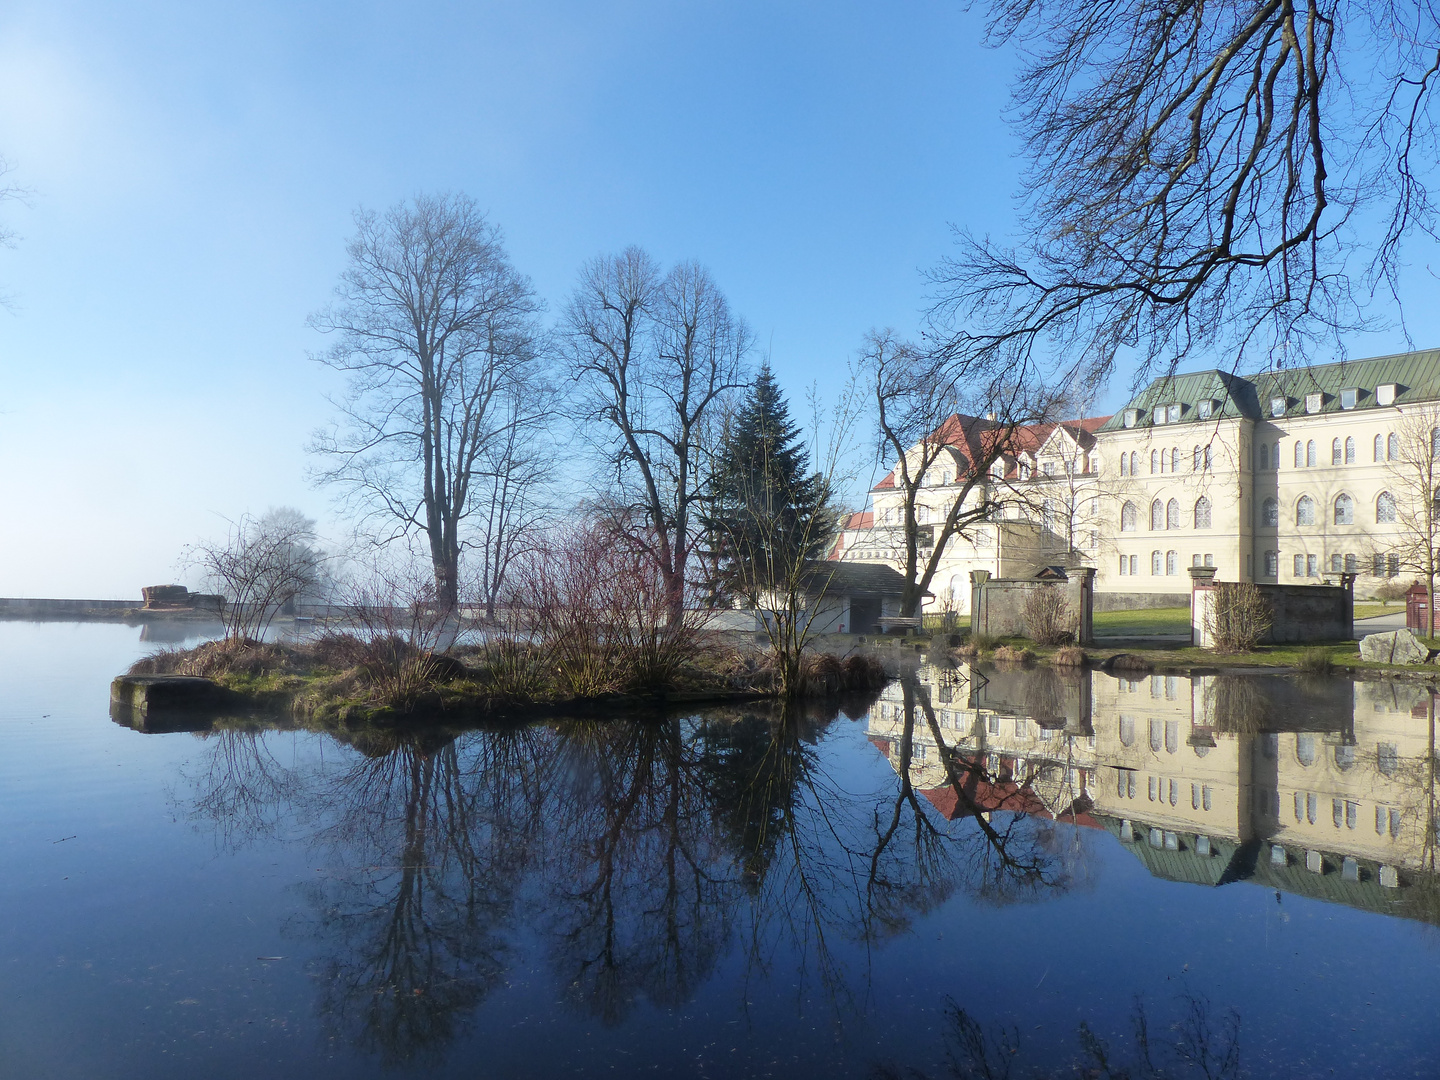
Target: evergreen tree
767, 512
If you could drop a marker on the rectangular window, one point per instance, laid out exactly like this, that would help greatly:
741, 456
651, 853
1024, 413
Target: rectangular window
1194, 560
1312, 402
1377, 566
1131, 417
1385, 394
1272, 564
994, 725
1348, 398
1352, 564
1210, 561
1124, 565
1337, 811
1392, 565
1134, 565
1335, 564
1312, 565
1299, 565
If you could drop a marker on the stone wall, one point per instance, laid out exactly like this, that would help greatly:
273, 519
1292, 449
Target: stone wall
1298, 613
997, 605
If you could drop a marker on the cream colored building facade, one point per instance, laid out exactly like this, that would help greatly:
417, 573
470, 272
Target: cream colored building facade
1292, 477
1288, 477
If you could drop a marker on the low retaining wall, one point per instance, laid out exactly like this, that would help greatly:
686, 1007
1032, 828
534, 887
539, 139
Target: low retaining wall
13, 606
997, 605
1112, 601
1298, 613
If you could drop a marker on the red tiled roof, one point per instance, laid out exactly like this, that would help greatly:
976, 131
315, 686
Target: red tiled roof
861, 519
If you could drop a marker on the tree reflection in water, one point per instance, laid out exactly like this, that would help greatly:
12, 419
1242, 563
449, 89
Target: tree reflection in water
1195, 1045
642, 852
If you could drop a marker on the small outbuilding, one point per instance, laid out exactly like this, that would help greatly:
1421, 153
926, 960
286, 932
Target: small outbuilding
852, 597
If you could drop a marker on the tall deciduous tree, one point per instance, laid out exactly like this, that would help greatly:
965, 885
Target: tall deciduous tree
1416, 477
656, 356
438, 333
1233, 178
767, 512
925, 422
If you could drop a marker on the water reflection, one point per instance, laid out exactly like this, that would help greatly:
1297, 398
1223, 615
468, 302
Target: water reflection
1324, 788
627, 858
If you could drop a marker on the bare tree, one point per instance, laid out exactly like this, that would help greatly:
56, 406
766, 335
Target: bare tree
511, 507
1416, 476
438, 333
656, 355
261, 566
1197, 175
921, 424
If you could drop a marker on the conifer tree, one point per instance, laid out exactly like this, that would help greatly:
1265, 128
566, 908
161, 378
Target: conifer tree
768, 513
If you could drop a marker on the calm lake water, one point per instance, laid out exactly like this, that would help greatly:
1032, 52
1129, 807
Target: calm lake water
1008, 855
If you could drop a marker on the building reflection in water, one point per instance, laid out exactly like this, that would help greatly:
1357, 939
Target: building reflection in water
1323, 787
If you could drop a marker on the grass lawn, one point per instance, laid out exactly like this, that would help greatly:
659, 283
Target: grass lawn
1142, 622
1365, 609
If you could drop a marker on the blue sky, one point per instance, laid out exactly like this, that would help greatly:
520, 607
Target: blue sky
194, 168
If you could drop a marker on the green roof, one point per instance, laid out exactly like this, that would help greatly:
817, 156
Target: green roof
1416, 376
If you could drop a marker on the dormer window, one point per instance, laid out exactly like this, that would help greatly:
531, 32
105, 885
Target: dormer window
1173, 414
1313, 402
1131, 417
1206, 409
1348, 398
1277, 406
1385, 393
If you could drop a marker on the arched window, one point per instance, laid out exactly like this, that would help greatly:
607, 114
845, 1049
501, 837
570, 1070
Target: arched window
1174, 459
1202, 513
1270, 513
1172, 514
1299, 455
1134, 463
1335, 452
1157, 515
1305, 749
1157, 735
1155, 562
1311, 460
1350, 450
1344, 510
1392, 447
1155, 458
1344, 756
1275, 457
1264, 455
1205, 459
1127, 517
1124, 465
1172, 563
1385, 509
1195, 463
1305, 511
1435, 443
1379, 451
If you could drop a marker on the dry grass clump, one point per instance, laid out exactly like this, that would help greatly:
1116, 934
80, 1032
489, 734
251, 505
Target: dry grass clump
1070, 656
1010, 654
1316, 661
228, 656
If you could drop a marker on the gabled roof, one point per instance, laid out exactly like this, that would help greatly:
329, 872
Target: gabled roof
974, 438
865, 580
861, 519
1415, 375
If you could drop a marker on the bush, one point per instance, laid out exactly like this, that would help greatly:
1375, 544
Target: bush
1047, 616
1010, 654
1394, 589
1239, 618
1070, 656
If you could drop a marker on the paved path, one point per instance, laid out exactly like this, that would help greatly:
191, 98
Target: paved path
1380, 624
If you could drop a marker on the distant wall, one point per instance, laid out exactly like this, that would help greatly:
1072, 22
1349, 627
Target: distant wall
1297, 612
1138, 601
997, 605
12, 607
